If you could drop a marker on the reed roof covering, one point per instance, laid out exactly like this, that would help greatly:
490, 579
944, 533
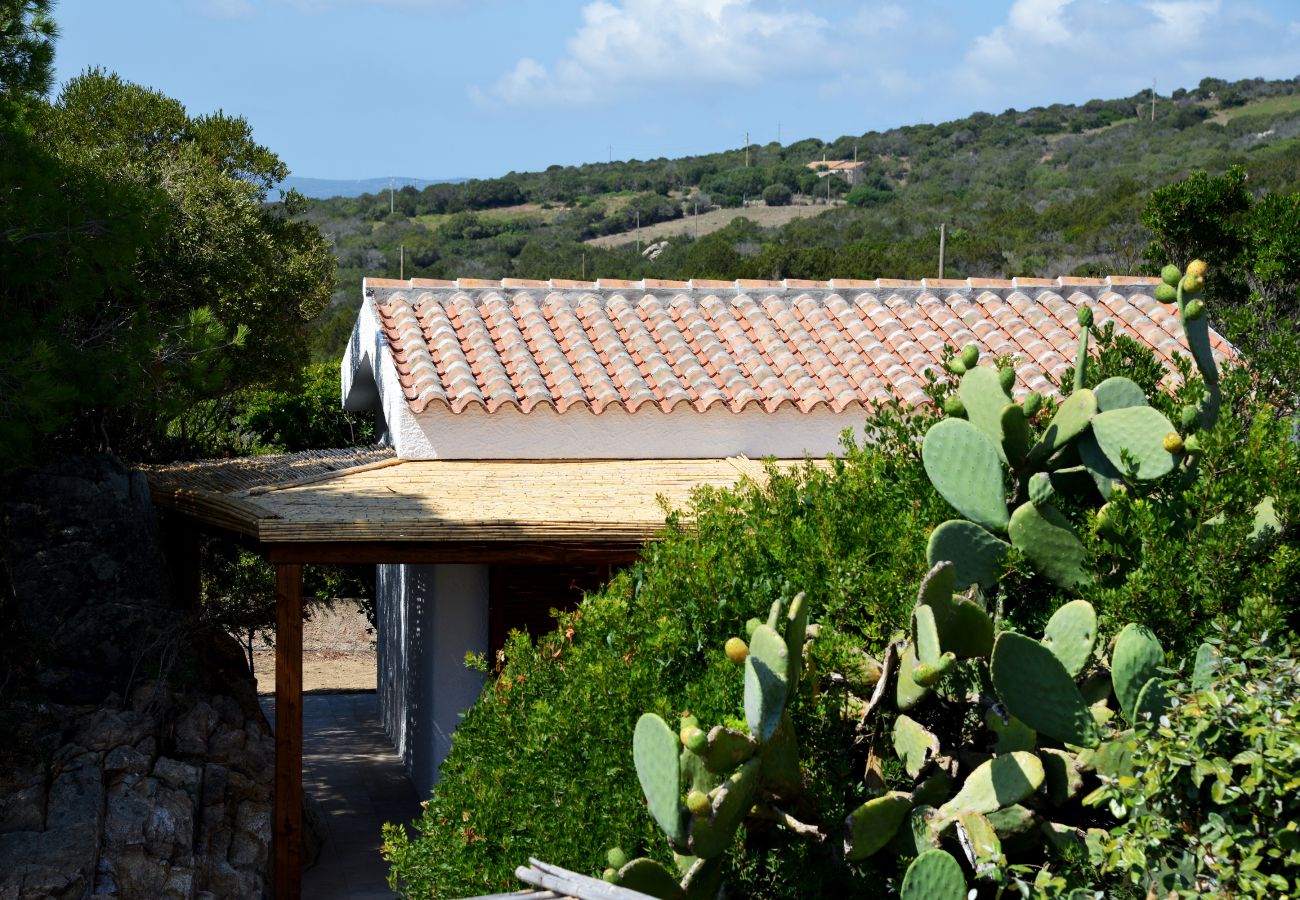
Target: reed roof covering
369, 495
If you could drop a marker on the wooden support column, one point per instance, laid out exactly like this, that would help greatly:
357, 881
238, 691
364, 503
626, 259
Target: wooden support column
286, 845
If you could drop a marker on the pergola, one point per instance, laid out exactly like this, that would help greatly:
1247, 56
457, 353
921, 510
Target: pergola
367, 506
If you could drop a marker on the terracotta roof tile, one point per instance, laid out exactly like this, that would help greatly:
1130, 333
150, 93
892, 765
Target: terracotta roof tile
806, 345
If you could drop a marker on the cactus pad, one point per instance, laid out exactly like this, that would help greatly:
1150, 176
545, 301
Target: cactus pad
1012, 735
1207, 662
1045, 536
1037, 689
907, 693
1063, 775
796, 629
965, 468
963, 627
934, 875
1138, 431
1071, 634
976, 554
654, 751
981, 391
766, 682
1118, 393
1040, 488
727, 749
1071, 419
1015, 434
1137, 659
1012, 820
779, 756
914, 745
871, 826
649, 877
711, 835
1104, 475
935, 789
925, 635
1152, 701
996, 783
982, 839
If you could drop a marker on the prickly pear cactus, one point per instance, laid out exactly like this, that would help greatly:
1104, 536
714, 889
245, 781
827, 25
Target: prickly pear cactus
1002, 740
986, 460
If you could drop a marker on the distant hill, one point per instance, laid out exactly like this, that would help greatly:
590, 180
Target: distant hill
325, 188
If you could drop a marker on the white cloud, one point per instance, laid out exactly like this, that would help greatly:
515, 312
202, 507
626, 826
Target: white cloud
656, 42
1182, 21
1062, 49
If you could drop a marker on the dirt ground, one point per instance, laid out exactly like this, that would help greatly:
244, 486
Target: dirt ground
716, 219
337, 651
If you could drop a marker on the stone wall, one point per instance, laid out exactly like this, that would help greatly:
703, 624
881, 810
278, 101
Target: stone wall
134, 759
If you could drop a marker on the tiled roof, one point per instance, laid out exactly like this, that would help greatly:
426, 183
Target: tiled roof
769, 345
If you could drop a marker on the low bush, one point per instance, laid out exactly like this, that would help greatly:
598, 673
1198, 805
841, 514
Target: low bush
1213, 800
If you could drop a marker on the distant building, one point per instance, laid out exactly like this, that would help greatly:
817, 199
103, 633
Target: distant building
849, 169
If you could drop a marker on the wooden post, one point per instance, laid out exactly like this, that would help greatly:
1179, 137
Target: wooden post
286, 845
943, 240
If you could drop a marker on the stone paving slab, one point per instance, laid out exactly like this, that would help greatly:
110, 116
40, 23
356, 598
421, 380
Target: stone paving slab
357, 781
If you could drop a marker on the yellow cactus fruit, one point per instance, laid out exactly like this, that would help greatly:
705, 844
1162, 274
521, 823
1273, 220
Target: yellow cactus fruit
737, 650
1174, 442
1197, 268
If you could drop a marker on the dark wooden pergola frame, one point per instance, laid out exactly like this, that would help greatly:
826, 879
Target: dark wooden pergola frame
227, 501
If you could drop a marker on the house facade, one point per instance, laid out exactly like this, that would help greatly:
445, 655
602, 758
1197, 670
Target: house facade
677, 380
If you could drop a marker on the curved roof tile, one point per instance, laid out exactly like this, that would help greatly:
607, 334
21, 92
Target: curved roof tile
804, 345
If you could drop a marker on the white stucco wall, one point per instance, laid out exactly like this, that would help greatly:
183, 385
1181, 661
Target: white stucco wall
427, 618
683, 433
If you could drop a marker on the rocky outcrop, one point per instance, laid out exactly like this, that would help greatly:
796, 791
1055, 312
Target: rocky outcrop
165, 795
135, 761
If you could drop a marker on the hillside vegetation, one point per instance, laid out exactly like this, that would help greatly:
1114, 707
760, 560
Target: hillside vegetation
1044, 191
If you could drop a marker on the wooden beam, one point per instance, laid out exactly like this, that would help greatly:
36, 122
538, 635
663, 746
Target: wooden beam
484, 552
286, 846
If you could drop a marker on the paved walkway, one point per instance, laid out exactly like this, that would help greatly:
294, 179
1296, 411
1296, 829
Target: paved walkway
352, 772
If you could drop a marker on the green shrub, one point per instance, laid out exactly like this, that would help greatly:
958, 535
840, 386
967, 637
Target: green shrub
542, 763
1213, 803
777, 195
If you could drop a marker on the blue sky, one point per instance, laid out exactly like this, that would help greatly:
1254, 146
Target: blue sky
445, 88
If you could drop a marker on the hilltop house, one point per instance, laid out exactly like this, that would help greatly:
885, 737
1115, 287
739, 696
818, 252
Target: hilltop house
565, 406
849, 169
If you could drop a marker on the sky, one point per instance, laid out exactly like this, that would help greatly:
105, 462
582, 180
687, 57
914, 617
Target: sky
477, 88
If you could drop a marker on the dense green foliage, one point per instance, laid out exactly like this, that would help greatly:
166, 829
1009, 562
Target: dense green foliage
565, 707
1213, 800
541, 765
143, 269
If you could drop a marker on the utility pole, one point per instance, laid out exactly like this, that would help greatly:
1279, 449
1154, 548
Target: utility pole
746, 149
855, 153
638, 232
943, 240
584, 265
401, 265
697, 220
1153, 99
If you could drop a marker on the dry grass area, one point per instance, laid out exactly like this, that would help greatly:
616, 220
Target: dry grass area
706, 223
337, 651
526, 211
1288, 103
